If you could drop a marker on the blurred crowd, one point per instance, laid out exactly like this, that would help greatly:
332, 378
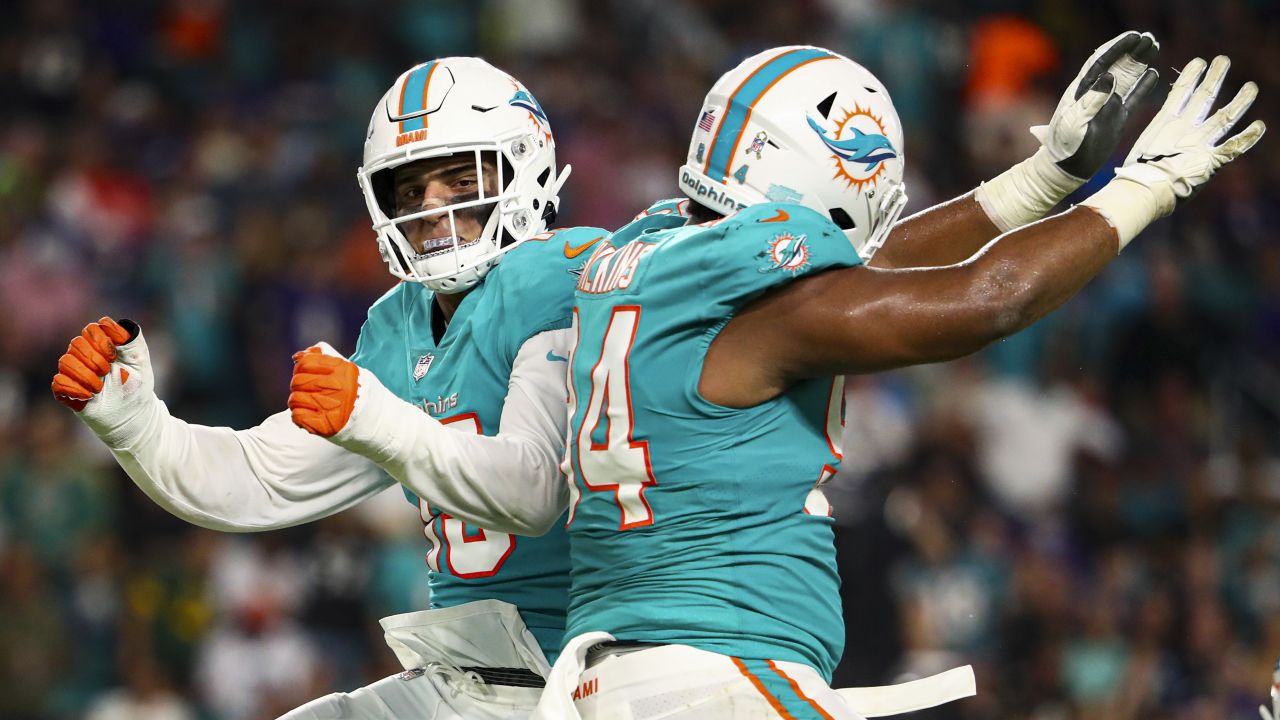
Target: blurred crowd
1089, 512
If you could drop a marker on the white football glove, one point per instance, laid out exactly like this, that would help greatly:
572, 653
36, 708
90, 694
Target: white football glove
1274, 712
1179, 151
1080, 138
1083, 132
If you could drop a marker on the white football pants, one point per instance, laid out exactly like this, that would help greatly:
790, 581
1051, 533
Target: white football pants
432, 645
678, 682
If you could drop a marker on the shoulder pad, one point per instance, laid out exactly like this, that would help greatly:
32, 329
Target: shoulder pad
674, 206
567, 245
790, 215
531, 289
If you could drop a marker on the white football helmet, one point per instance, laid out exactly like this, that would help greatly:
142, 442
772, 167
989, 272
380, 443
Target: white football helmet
452, 106
803, 125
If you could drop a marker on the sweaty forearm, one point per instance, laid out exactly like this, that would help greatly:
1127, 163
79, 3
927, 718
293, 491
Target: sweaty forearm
1027, 273
866, 320
944, 234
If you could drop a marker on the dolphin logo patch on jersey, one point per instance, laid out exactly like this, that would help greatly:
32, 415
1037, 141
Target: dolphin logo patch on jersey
786, 252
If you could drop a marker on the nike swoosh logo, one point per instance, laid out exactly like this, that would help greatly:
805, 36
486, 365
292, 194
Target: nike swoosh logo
572, 252
782, 216
1156, 158
552, 357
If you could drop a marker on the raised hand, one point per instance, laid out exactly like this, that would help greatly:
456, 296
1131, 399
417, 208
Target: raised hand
87, 362
1180, 150
1081, 135
1090, 117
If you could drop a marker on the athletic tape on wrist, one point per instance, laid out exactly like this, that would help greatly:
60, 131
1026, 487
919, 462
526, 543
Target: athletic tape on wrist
1130, 206
1025, 192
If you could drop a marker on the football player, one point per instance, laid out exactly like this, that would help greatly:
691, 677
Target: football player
410, 445
337, 399
705, 383
459, 171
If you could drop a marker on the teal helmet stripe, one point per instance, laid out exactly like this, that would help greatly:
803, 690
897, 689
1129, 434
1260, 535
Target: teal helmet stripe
744, 98
413, 97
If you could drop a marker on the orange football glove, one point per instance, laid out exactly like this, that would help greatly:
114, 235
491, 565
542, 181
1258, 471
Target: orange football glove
324, 391
87, 360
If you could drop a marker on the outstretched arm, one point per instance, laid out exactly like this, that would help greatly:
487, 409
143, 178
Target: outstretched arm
1077, 141
862, 319
941, 235
270, 476
509, 482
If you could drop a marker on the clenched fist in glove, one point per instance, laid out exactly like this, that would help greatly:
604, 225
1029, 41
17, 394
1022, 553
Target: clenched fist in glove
323, 390
88, 360
105, 376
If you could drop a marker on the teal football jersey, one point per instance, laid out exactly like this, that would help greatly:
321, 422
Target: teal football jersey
691, 522
462, 377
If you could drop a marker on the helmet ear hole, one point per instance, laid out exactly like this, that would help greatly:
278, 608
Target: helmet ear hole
508, 172
383, 183
842, 219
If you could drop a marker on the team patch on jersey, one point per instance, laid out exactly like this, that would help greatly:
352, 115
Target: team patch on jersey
441, 405
422, 366
785, 252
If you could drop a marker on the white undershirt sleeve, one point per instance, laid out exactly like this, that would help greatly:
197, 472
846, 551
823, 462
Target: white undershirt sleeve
271, 476
510, 482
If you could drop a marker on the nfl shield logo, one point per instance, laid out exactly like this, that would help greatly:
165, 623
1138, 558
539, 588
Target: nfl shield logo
424, 364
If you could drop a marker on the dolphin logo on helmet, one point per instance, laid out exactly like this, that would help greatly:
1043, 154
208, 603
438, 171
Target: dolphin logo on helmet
522, 99
776, 93
866, 149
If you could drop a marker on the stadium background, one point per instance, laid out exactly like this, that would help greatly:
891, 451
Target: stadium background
1087, 512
